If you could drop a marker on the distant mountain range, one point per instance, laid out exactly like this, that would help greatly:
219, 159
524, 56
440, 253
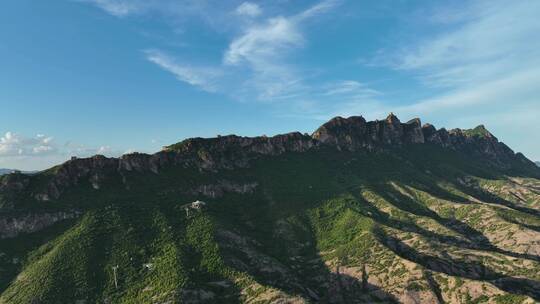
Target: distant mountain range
357, 212
7, 171
537, 163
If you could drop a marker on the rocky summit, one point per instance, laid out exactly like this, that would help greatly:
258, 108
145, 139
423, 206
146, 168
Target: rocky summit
358, 212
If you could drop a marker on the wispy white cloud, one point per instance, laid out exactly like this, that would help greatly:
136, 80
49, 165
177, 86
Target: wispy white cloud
490, 39
486, 57
201, 77
119, 8
255, 62
351, 88
262, 51
318, 9
248, 9
263, 42
176, 13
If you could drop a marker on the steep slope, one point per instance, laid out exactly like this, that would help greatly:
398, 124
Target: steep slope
359, 212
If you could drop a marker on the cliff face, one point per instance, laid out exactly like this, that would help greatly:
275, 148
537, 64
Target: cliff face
13, 226
355, 133
235, 151
228, 152
478, 142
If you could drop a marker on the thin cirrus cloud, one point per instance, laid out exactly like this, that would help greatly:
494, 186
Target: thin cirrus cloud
486, 60
255, 61
492, 40
350, 87
255, 64
201, 77
262, 42
248, 9
119, 8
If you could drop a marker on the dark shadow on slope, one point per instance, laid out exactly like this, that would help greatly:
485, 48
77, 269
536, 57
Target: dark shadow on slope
476, 240
348, 289
204, 285
461, 268
407, 204
438, 159
406, 226
434, 286
528, 226
295, 266
15, 250
487, 197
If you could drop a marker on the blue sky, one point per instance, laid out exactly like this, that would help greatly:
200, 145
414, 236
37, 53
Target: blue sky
80, 77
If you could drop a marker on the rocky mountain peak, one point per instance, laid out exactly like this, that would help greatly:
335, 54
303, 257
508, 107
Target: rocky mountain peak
355, 132
392, 119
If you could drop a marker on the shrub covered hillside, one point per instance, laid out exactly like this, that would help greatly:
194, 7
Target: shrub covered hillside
358, 212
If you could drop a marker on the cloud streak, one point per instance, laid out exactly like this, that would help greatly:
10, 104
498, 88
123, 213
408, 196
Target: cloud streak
201, 77
255, 63
490, 41
248, 9
118, 8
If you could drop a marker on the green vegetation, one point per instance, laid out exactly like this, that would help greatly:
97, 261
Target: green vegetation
509, 299
317, 226
479, 131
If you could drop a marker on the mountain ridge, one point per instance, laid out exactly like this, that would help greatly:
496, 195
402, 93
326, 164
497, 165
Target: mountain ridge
357, 212
231, 151
352, 134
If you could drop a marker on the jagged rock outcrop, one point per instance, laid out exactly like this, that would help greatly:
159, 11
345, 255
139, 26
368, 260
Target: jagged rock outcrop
93, 169
14, 182
235, 151
342, 132
355, 133
476, 142
11, 186
413, 131
11, 226
221, 187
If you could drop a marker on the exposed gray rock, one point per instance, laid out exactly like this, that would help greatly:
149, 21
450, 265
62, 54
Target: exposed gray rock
475, 142
11, 226
413, 131
355, 133
222, 187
